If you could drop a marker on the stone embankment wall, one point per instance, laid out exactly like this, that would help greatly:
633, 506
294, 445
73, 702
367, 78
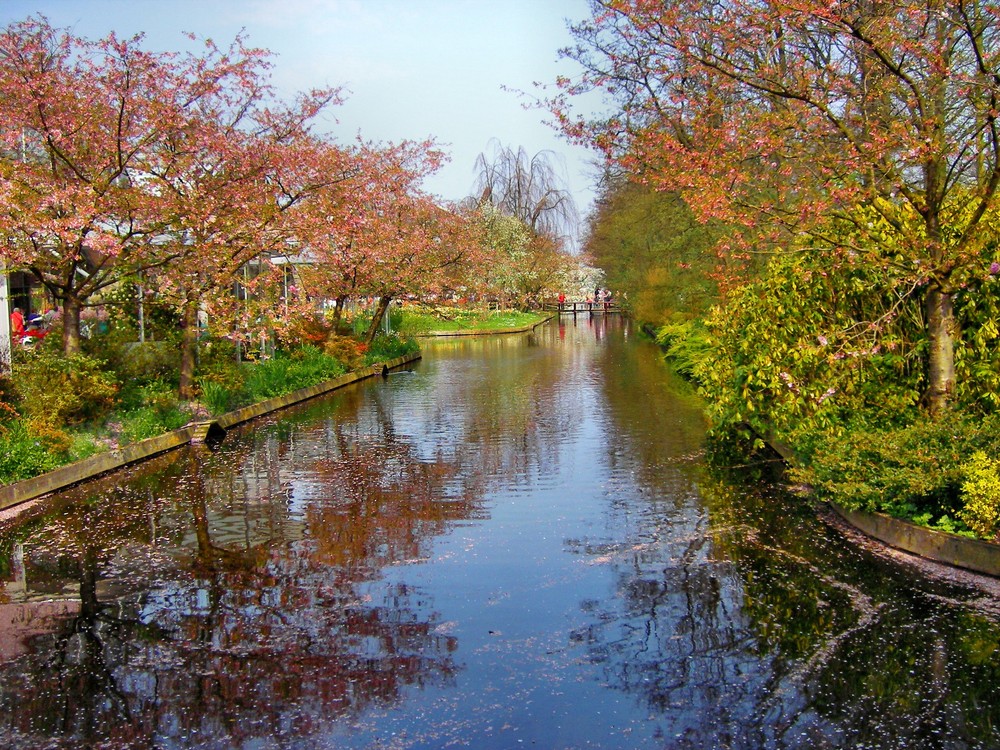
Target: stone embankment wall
951, 549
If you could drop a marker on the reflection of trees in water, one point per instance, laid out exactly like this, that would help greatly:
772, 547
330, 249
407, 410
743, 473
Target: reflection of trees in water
757, 630
676, 640
743, 622
501, 408
261, 619
652, 422
253, 606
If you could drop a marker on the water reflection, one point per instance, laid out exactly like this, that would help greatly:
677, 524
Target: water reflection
214, 615
516, 543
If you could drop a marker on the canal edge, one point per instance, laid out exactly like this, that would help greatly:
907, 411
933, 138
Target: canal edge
17, 493
976, 555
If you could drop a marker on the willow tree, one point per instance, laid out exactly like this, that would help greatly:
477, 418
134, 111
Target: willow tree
868, 128
529, 188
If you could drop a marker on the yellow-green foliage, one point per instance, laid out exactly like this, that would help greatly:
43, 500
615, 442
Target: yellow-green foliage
651, 248
345, 349
62, 390
797, 350
54, 439
981, 495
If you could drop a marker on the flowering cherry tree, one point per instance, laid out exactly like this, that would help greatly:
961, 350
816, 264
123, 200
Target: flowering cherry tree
867, 131
77, 120
233, 187
379, 235
120, 162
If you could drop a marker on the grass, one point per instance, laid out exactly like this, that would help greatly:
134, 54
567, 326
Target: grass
422, 320
30, 446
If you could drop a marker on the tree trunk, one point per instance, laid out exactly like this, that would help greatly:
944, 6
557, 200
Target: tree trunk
189, 342
383, 305
71, 326
942, 331
338, 312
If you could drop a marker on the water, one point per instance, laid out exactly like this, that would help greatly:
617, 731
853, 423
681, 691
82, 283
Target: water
514, 545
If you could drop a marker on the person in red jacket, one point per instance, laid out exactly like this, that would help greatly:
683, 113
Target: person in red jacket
16, 326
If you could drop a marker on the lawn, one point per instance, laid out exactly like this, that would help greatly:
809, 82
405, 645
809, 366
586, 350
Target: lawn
418, 320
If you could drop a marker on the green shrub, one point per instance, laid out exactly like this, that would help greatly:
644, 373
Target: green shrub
385, 347
981, 495
135, 394
22, 455
151, 360
395, 314
150, 421
790, 356
222, 379
83, 445
913, 472
360, 324
217, 397
687, 345
217, 353
283, 373
62, 390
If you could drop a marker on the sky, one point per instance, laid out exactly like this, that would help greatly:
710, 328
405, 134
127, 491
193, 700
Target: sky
450, 69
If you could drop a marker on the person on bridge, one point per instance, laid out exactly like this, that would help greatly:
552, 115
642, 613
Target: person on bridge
562, 301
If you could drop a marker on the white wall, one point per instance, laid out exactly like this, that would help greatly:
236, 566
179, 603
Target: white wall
4, 322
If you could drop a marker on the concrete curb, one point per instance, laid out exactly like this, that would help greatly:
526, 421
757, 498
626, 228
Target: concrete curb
88, 468
490, 332
958, 551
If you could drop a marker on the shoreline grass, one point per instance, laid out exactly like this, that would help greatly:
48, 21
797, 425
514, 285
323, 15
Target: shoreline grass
417, 320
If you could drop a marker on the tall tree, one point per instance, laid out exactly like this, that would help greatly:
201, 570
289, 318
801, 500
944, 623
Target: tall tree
77, 119
528, 188
879, 117
234, 181
380, 235
507, 241
652, 249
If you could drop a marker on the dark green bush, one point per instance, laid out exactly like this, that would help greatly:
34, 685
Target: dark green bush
385, 347
150, 360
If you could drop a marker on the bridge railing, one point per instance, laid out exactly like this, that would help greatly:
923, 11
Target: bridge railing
578, 308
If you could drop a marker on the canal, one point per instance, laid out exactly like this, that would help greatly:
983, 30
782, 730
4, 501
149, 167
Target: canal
515, 544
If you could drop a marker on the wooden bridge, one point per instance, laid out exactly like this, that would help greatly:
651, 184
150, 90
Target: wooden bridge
581, 308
